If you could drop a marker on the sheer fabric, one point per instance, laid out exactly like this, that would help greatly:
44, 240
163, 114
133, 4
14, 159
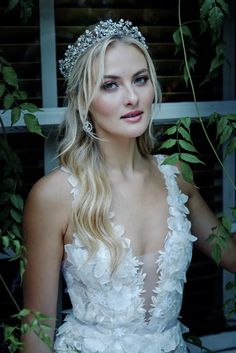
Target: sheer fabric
113, 313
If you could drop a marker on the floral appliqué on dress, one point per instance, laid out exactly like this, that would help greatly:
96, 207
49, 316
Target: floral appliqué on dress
108, 313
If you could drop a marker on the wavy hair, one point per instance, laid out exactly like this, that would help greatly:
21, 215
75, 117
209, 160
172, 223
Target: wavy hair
80, 153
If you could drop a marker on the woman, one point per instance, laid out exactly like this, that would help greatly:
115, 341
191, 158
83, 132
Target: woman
113, 215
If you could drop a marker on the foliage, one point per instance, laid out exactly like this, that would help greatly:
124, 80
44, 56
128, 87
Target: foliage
211, 20
11, 199
14, 103
25, 6
186, 151
230, 304
36, 324
212, 13
226, 131
220, 236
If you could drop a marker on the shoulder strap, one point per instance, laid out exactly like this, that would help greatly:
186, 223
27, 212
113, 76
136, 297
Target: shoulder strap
74, 183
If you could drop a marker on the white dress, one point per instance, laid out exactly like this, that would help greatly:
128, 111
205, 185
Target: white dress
121, 313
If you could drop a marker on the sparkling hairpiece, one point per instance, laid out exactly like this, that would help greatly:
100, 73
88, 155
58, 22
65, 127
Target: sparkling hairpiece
103, 30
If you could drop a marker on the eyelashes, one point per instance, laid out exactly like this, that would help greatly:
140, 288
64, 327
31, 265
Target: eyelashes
113, 85
109, 85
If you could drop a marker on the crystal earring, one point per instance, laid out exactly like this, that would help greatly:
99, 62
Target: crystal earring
87, 126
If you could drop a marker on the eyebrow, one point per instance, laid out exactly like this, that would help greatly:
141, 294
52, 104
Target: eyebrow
115, 77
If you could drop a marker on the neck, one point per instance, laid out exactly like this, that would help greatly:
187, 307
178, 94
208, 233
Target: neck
121, 157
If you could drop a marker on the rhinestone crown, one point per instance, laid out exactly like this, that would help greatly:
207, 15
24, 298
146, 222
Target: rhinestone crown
103, 30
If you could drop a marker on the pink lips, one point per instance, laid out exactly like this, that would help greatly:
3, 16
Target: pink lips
133, 116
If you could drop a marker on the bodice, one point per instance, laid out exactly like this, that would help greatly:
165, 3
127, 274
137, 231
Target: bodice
109, 310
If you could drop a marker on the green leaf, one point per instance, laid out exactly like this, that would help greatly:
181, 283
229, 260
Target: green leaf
32, 124
46, 327
203, 26
216, 62
3, 61
171, 130
16, 231
15, 115
220, 125
185, 134
12, 4
30, 107
187, 157
216, 253
22, 268
206, 6
34, 324
224, 5
187, 146
233, 210
230, 117
25, 328
16, 215
10, 76
8, 101
216, 18
211, 238
23, 313
5, 241
193, 339
21, 95
230, 285
186, 31
168, 144
40, 316
177, 37
173, 159
26, 10
17, 201
222, 242
226, 223
2, 89
16, 245
186, 172
186, 122
226, 134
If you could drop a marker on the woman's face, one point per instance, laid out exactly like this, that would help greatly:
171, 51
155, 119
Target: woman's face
122, 104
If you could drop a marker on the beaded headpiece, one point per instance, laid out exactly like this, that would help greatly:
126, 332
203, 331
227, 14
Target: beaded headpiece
101, 31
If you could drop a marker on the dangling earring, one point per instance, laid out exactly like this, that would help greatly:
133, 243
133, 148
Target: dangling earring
87, 126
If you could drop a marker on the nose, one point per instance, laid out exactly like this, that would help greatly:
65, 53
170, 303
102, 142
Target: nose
130, 96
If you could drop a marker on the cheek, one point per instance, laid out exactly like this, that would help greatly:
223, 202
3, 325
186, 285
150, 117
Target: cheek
103, 107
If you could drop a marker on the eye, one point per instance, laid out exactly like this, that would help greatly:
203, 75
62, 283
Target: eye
141, 80
109, 86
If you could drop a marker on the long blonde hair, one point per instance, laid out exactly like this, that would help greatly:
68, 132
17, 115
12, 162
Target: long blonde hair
80, 153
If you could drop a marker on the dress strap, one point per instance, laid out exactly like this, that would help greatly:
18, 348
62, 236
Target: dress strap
74, 183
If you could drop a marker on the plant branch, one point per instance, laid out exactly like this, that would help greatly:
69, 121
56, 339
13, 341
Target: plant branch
195, 100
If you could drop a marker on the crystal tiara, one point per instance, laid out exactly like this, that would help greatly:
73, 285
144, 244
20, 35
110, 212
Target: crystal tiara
103, 30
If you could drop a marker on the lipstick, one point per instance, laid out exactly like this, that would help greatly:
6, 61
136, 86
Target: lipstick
133, 116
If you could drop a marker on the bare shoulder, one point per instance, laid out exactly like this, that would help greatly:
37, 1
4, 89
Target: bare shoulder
49, 200
51, 188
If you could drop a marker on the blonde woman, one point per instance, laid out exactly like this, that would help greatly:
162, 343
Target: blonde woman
119, 222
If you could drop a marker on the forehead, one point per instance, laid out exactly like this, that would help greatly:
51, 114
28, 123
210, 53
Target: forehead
123, 58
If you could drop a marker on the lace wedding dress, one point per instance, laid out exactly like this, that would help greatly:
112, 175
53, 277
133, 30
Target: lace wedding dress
130, 311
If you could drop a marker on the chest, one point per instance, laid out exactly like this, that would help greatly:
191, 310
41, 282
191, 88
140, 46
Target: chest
140, 206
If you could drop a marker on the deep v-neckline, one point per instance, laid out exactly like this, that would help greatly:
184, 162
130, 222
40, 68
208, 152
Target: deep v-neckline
171, 263
135, 259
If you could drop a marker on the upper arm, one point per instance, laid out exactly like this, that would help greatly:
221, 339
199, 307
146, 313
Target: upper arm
204, 223
45, 218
